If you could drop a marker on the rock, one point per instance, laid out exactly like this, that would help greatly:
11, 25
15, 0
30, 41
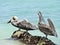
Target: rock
28, 39
16, 34
45, 41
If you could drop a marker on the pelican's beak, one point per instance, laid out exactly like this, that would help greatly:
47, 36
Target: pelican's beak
9, 21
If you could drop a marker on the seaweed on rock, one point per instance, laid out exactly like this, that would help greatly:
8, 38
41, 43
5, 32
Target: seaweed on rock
28, 39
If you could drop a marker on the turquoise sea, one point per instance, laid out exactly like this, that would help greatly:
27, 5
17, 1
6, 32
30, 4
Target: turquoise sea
27, 9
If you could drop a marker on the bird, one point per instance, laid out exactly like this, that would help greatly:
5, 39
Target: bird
44, 28
22, 24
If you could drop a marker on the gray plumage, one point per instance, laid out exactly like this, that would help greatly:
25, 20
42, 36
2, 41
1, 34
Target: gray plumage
24, 24
46, 29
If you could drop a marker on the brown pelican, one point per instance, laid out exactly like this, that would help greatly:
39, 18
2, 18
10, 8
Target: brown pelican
24, 24
46, 29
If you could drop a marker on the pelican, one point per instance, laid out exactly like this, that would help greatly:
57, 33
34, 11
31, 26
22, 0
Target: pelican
23, 24
46, 29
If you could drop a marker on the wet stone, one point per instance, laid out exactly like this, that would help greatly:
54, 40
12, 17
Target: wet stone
28, 39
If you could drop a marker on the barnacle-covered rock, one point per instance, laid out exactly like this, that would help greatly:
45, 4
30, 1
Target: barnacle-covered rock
45, 41
16, 34
28, 39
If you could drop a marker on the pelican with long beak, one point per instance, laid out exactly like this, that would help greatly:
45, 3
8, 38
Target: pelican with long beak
24, 24
46, 29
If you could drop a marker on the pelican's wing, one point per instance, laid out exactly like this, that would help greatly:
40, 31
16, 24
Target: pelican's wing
52, 26
41, 17
44, 26
25, 24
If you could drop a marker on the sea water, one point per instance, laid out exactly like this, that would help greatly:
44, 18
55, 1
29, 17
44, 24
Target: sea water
28, 9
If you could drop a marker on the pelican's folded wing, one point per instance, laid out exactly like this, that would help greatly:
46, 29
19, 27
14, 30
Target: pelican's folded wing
27, 25
52, 26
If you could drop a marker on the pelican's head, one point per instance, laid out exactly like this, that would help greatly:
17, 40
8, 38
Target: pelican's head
39, 13
13, 18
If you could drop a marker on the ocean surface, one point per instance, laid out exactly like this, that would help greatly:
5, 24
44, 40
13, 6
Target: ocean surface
28, 9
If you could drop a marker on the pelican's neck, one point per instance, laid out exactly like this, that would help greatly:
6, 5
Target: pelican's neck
13, 22
40, 19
